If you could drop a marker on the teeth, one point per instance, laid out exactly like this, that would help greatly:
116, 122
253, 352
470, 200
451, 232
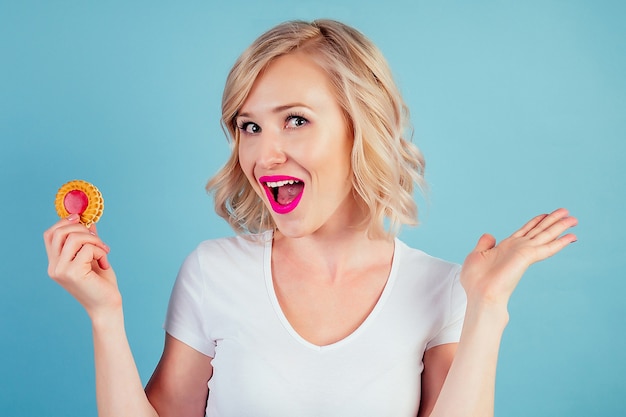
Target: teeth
275, 184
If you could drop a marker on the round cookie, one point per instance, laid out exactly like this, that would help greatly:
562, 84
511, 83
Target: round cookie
82, 198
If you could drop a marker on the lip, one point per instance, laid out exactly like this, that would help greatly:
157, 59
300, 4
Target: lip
279, 208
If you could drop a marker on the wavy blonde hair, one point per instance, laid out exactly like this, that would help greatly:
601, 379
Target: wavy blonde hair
385, 165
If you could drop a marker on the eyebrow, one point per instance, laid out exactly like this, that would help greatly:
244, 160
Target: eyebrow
278, 109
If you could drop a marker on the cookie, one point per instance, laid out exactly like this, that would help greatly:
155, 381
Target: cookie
82, 198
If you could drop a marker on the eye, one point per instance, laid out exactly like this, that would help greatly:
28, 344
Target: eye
295, 121
249, 127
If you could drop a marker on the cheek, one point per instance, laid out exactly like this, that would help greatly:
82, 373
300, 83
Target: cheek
245, 161
247, 166
344, 158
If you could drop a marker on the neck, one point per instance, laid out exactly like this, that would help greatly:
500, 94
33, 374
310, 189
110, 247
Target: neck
334, 253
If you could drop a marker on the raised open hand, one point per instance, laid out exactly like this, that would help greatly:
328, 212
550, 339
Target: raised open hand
491, 272
77, 260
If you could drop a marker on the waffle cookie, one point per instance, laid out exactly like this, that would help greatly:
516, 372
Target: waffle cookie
82, 198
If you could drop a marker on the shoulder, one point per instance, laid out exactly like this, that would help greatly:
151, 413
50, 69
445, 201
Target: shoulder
423, 263
238, 242
233, 248
217, 264
426, 275
434, 288
226, 257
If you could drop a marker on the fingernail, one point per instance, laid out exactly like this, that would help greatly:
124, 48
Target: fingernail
72, 217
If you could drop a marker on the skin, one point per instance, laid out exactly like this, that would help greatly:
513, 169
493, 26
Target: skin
291, 125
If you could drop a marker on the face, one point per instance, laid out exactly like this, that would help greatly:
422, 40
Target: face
295, 146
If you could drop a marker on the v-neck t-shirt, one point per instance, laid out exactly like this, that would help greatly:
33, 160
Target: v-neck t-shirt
224, 305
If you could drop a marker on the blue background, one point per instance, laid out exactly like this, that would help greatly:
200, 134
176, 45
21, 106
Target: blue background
519, 107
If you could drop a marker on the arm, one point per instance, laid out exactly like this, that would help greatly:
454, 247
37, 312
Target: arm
178, 386
437, 361
490, 274
78, 262
119, 390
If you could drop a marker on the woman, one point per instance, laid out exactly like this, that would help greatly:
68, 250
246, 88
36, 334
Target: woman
314, 309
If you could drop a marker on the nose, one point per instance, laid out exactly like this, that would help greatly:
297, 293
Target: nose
270, 152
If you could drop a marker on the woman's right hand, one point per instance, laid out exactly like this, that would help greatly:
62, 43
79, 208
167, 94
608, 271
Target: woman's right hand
77, 260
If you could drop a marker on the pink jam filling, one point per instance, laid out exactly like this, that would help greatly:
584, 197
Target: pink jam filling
76, 202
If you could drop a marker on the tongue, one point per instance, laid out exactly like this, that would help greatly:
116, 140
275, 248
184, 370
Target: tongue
287, 193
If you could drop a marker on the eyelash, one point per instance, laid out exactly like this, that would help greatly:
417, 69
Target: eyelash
292, 116
243, 125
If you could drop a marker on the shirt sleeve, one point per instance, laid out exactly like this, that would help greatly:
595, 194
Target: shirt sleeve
451, 329
186, 314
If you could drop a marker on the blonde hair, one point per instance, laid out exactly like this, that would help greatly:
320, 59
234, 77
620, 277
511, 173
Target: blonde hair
385, 165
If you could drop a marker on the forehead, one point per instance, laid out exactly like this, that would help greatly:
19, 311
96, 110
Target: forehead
291, 78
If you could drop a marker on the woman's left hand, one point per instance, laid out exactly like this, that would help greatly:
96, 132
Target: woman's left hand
491, 272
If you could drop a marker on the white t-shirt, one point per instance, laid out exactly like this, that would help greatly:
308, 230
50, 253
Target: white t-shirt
224, 305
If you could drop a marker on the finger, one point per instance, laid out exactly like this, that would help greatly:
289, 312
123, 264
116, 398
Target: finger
65, 254
56, 245
529, 226
94, 230
485, 242
103, 262
81, 265
87, 254
74, 242
60, 236
555, 246
555, 230
547, 222
48, 235
93, 238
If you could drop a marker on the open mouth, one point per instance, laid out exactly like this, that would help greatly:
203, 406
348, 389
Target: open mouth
284, 193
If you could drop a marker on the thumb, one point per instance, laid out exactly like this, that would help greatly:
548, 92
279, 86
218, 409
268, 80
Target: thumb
485, 243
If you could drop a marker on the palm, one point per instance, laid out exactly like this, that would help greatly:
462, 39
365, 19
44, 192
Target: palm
492, 271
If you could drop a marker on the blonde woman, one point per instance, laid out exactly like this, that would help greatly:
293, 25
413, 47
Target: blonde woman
314, 308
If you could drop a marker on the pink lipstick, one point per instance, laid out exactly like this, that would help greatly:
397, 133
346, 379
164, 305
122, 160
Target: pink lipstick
283, 192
